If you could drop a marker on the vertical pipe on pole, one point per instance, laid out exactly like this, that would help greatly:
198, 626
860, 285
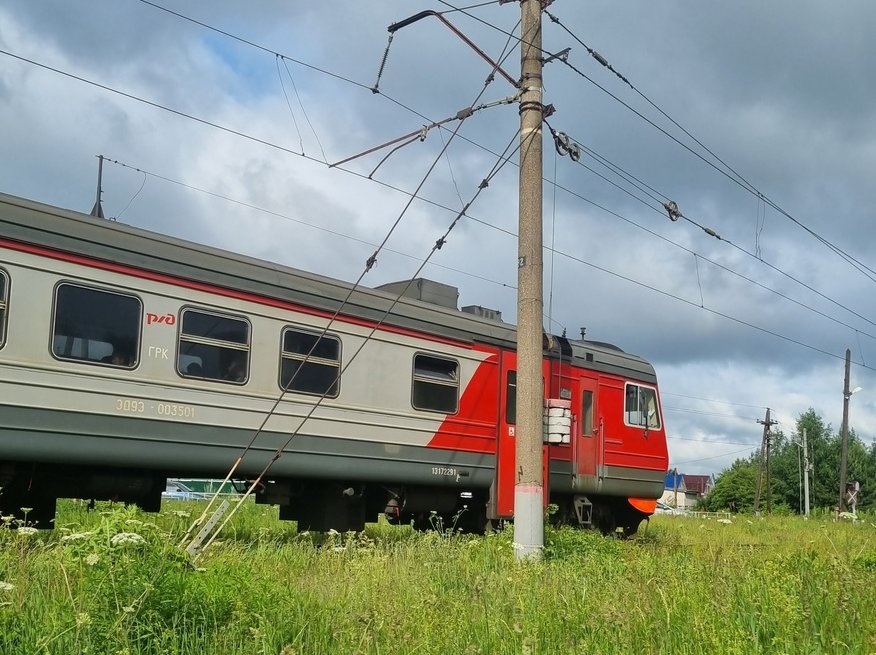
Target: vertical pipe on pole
769, 485
529, 482
844, 452
805, 476
799, 478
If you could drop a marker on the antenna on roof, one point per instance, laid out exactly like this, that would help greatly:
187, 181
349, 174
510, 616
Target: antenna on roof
97, 210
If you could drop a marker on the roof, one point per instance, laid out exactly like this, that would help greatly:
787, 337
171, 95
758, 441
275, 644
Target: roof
699, 483
31, 222
674, 480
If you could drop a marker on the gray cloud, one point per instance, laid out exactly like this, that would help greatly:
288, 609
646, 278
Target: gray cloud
779, 91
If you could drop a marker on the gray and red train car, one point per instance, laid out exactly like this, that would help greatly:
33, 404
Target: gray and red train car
128, 357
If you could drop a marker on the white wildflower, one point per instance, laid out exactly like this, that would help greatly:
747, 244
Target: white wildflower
26, 530
129, 609
725, 521
92, 559
7, 519
126, 538
180, 514
76, 536
82, 618
133, 522
6, 586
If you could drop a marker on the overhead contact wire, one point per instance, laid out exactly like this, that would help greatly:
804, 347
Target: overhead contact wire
368, 266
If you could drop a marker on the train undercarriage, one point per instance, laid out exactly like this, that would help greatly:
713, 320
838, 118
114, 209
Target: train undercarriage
30, 493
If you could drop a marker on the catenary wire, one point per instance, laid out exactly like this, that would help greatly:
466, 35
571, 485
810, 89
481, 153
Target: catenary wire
733, 177
437, 246
509, 232
511, 36
369, 264
286, 217
661, 211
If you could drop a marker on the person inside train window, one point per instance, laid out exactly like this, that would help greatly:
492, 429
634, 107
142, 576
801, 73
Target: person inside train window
235, 370
195, 370
120, 356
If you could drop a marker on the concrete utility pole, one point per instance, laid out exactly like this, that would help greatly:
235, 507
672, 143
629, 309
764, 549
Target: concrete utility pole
844, 451
764, 466
805, 477
529, 483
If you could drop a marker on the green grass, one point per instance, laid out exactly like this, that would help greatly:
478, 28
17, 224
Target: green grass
777, 585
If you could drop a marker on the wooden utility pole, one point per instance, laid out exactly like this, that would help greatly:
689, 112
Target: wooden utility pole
844, 451
529, 483
764, 467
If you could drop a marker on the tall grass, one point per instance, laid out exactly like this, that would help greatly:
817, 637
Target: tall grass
112, 581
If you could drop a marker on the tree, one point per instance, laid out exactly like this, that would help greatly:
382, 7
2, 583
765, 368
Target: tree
734, 487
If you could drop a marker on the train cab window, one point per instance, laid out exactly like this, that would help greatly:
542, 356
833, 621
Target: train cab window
640, 407
213, 347
435, 384
96, 326
511, 398
310, 363
4, 294
587, 414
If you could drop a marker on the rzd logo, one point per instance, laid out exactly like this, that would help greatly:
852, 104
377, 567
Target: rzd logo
167, 319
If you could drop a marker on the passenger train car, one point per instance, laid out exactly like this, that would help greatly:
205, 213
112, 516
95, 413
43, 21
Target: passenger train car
128, 357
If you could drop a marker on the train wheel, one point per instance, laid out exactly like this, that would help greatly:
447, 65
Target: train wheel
631, 529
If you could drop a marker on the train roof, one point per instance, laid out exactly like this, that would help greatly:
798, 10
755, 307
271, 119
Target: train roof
81, 234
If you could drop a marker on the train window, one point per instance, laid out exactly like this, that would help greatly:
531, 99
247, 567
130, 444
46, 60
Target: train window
96, 326
640, 406
4, 294
213, 347
511, 398
587, 414
310, 363
435, 384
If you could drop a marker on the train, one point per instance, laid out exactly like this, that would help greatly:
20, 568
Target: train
128, 358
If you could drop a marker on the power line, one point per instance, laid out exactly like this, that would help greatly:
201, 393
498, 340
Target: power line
703, 459
561, 253
286, 217
623, 173
732, 175
705, 412
561, 137
712, 400
729, 443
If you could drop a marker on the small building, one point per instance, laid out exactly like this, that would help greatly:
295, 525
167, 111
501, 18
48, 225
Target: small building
684, 491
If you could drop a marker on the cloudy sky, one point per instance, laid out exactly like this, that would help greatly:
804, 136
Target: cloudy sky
757, 119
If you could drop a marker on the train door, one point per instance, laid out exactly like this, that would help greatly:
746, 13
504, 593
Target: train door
506, 456
587, 449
